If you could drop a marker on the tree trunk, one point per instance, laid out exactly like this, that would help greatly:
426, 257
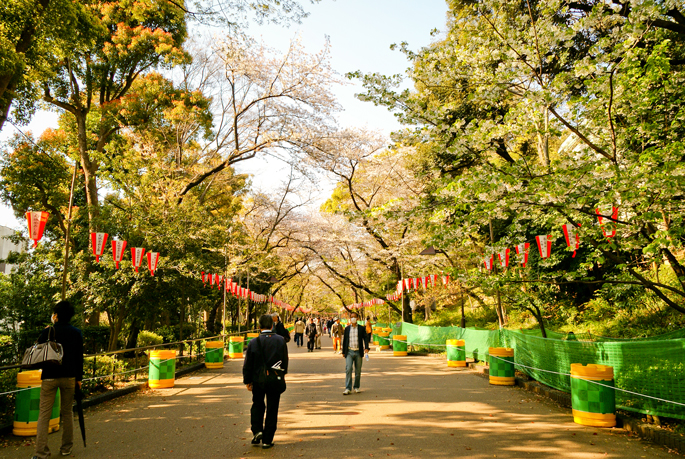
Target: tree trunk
89, 170
406, 310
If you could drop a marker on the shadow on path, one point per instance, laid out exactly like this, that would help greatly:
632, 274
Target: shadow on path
411, 407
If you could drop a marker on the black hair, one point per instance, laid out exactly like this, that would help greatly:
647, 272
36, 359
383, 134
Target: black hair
64, 310
266, 322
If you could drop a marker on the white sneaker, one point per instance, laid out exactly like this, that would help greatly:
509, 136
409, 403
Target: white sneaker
347, 392
356, 391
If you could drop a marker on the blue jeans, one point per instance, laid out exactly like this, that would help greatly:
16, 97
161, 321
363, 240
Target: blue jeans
353, 358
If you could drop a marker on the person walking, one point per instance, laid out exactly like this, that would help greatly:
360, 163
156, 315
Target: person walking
337, 332
65, 377
310, 331
369, 329
319, 332
267, 351
355, 345
329, 325
299, 332
280, 329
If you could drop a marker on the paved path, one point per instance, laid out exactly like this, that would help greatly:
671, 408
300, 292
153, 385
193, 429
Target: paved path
410, 407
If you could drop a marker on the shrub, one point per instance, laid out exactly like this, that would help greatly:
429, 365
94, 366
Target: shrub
148, 338
101, 367
8, 350
8, 382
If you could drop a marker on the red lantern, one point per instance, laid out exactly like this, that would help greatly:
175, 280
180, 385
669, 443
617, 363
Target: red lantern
522, 252
544, 245
572, 238
487, 261
152, 260
445, 280
204, 279
504, 258
99, 240
36, 222
137, 256
614, 216
118, 251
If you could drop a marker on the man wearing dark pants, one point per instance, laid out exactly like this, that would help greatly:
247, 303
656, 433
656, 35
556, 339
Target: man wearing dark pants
355, 345
270, 351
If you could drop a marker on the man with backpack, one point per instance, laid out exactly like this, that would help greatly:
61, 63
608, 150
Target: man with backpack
266, 363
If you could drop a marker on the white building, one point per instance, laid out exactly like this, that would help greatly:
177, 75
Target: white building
7, 246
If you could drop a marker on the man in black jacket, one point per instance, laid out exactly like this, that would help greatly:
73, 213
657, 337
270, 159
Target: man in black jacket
270, 351
355, 345
280, 329
65, 377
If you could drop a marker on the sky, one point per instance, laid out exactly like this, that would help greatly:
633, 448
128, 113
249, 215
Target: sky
360, 33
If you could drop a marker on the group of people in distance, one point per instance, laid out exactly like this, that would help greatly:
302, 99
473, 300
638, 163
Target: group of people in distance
269, 352
264, 369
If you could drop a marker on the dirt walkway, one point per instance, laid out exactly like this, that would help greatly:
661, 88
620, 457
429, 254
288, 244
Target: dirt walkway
409, 407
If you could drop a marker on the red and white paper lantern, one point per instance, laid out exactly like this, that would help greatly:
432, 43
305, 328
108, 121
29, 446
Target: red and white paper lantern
152, 260
137, 254
118, 251
36, 222
522, 252
445, 280
503, 258
601, 214
544, 245
572, 238
98, 240
487, 261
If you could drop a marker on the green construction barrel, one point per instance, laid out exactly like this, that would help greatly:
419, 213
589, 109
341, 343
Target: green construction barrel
502, 370
214, 354
383, 340
399, 345
456, 353
249, 338
593, 397
27, 405
162, 369
235, 347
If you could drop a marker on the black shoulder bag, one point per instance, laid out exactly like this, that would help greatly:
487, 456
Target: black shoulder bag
269, 379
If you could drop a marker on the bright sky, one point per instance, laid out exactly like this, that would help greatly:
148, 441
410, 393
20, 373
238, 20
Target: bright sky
360, 31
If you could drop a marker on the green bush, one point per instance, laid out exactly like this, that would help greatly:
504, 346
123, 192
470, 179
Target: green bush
8, 350
148, 338
8, 382
101, 367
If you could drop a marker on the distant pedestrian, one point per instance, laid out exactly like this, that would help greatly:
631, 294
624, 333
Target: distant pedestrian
329, 325
310, 331
355, 345
265, 353
299, 332
369, 329
280, 329
319, 332
337, 332
65, 377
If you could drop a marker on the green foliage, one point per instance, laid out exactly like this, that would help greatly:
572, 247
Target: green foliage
148, 338
8, 382
102, 368
95, 338
8, 350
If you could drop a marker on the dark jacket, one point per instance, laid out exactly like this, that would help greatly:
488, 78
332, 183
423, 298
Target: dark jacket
310, 330
280, 329
363, 339
273, 350
71, 340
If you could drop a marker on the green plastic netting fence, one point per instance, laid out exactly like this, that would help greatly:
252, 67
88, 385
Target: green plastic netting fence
650, 367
